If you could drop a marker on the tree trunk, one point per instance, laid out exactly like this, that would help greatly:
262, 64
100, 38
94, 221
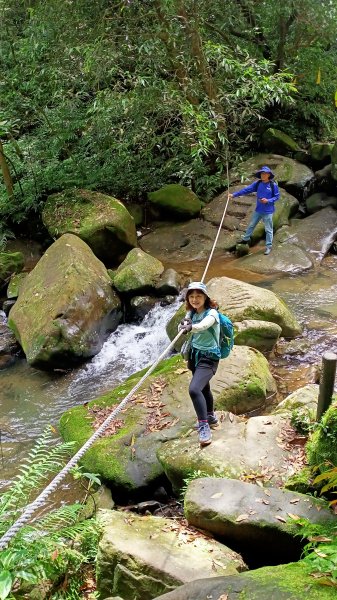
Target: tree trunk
6, 173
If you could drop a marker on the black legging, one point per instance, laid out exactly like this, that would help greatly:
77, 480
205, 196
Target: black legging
200, 390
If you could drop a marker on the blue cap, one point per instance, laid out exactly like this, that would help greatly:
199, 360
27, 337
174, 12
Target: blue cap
264, 170
198, 285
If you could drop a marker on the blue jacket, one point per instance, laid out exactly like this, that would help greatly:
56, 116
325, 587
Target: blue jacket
264, 190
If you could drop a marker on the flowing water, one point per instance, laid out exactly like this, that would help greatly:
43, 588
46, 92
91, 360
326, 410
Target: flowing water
32, 399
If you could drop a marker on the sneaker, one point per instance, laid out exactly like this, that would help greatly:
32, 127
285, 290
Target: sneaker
245, 242
205, 436
267, 251
213, 422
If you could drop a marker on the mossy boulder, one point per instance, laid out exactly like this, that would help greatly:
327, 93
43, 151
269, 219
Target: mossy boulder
318, 201
100, 220
322, 445
65, 306
14, 285
279, 142
126, 457
304, 398
10, 262
260, 335
283, 582
136, 558
321, 151
177, 200
138, 274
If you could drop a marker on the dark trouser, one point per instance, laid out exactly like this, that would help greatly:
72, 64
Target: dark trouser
200, 390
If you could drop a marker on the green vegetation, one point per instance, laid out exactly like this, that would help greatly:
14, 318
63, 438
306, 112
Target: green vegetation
51, 552
126, 97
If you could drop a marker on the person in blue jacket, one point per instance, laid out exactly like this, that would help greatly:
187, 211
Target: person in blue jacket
267, 193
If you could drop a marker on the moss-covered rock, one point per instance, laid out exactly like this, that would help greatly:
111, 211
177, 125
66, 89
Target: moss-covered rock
283, 582
320, 151
101, 221
10, 262
260, 335
322, 445
139, 273
301, 482
65, 306
304, 397
334, 162
176, 199
14, 285
127, 457
279, 142
318, 201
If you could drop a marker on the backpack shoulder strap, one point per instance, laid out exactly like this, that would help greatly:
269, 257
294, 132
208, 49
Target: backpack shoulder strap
272, 185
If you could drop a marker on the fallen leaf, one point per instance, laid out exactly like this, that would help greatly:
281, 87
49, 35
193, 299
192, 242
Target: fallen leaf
267, 492
280, 519
223, 597
319, 538
217, 495
294, 517
181, 371
241, 518
320, 554
294, 501
265, 501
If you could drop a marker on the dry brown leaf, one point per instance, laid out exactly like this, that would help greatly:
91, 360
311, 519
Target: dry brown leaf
223, 597
180, 371
267, 492
294, 517
217, 495
319, 538
280, 519
242, 517
265, 501
294, 501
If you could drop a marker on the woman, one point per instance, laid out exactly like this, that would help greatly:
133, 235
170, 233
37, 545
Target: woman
203, 320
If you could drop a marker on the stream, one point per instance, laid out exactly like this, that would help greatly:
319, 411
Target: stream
32, 399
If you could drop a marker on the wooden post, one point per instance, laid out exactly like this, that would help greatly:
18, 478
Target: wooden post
327, 382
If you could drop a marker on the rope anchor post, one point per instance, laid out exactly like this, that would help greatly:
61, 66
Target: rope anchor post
327, 382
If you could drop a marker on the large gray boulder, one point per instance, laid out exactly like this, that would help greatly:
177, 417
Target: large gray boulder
189, 241
238, 512
279, 142
253, 449
65, 306
141, 557
100, 220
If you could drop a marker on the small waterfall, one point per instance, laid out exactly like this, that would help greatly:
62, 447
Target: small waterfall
128, 349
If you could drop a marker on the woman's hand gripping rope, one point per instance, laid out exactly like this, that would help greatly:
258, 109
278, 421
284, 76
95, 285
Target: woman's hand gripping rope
185, 325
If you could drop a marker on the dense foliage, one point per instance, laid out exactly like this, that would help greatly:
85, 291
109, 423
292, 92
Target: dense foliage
123, 96
49, 553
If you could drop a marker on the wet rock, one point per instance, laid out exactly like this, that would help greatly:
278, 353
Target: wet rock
169, 283
8, 343
282, 259
140, 306
100, 220
7, 305
66, 305
305, 397
135, 557
147, 506
321, 151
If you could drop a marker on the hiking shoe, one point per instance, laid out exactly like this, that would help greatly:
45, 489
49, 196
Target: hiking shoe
205, 436
267, 251
213, 422
244, 242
